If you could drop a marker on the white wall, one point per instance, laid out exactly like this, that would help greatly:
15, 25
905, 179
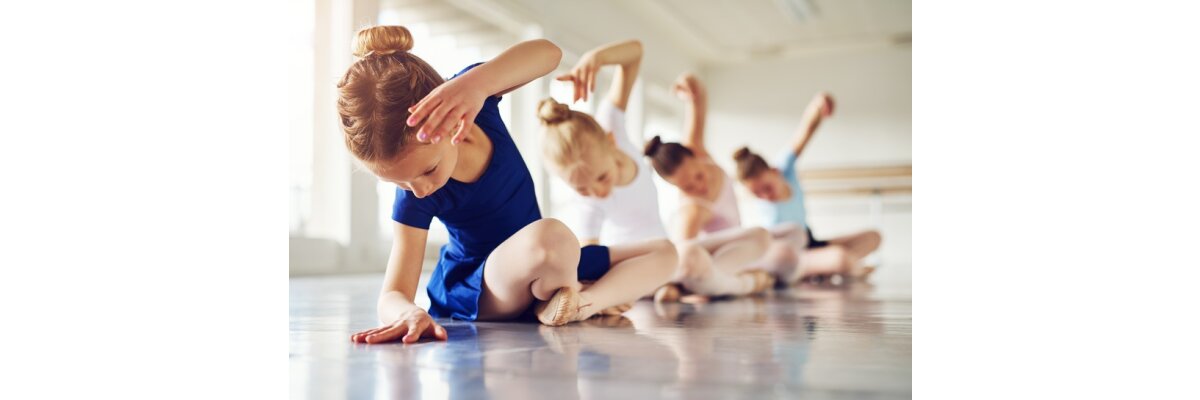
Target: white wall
872, 124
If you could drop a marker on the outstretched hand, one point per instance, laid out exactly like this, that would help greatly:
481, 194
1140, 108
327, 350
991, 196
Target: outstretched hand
686, 87
409, 328
583, 76
821, 104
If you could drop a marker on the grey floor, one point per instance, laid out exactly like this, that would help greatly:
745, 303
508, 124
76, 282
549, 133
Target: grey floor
810, 342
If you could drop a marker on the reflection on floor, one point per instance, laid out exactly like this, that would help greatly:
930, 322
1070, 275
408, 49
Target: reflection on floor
847, 342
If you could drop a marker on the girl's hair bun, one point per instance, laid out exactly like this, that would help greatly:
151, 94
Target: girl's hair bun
742, 153
553, 112
652, 146
382, 40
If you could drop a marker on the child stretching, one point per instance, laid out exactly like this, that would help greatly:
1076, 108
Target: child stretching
502, 257
783, 201
617, 202
709, 205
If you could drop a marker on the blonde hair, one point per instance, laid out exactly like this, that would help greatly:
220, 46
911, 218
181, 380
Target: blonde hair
376, 91
569, 133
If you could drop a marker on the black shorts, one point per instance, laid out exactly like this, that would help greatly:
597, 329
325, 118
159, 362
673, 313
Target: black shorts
813, 243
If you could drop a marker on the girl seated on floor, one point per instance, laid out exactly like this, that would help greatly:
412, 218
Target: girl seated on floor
503, 261
782, 201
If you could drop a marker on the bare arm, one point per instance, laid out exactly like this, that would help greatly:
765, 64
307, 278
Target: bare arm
403, 271
693, 219
689, 88
448, 106
818, 109
400, 318
516, 66
627, 55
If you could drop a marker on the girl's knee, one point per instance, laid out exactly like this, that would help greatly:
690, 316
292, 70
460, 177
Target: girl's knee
666, 258
760, 233
665, 250
874, 239
783, 253
694, 260
758, 238
551, 246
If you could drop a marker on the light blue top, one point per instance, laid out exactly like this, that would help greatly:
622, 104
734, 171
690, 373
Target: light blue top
792, 209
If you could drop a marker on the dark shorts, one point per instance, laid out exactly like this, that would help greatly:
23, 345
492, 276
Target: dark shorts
594, 262
813, 243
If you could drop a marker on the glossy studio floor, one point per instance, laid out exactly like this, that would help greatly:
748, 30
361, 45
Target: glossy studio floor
850, 341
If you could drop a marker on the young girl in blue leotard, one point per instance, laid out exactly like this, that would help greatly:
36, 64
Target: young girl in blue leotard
503, 260
782, 201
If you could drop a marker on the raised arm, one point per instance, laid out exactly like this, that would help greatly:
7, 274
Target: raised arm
627, 55
820, 107
400, 317
692, 219
444, 109
689, 88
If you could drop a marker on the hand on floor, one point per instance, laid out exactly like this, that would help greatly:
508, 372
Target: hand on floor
409, 328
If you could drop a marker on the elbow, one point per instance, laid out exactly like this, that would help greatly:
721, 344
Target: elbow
637, 46
552, 52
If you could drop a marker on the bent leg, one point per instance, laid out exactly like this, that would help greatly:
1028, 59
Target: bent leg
859, 245
530, 265
637, 269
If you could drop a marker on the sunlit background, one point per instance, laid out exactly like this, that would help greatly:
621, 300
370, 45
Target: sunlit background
761, 60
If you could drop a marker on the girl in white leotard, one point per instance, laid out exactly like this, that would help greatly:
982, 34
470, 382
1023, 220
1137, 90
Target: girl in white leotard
708, 202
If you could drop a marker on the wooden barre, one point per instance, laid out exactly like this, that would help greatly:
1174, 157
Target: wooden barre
859, 191
898, 171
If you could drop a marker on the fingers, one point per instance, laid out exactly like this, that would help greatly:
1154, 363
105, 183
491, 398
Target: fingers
414, 331
584, 75
432, 127
592, 81
361, 336
565, 77
439, 332
578, 89
463, 128
448, 123
388, 334
421, 110
457, 137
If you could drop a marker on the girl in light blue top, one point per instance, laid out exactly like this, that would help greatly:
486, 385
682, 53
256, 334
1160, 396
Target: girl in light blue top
782, 202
